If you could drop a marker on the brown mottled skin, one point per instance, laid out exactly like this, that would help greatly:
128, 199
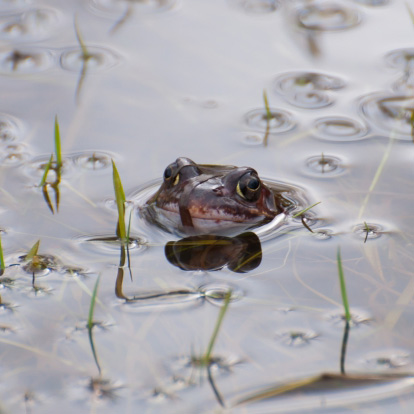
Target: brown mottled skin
210, 193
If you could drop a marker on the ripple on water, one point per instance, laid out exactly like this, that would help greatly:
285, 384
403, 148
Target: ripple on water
324, 166
30, 25
307, 89
296, 338
115, 7
14, 155
36, 168
358, 318
403, 59
215, 293
111, 243
25, 60
389, 359
372, 2
339, 128
368, 231
10, 128
93, 160
327, 17
98, 58
392, 114
279, 122
256, 6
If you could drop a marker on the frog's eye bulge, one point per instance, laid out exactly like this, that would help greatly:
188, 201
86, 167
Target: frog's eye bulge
249, 186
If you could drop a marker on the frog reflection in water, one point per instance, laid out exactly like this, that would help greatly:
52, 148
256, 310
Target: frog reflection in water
198, 198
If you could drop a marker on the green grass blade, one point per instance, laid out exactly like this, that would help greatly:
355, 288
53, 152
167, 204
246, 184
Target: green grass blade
269, 115
343, 287
46, 171
223, 310
305, 210
2, 264
91, 323
120, 202
33, 251
58, 149
367, 230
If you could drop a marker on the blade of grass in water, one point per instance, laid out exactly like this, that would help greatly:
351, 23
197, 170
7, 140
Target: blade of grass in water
85, 54
127, 244
269, 115
120, 202
33, 251
91, 323
343, 287
305, 210
58, 149
366, 231
207, 356
2, 264
46, 171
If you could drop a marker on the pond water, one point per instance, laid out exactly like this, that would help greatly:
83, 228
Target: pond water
144, 82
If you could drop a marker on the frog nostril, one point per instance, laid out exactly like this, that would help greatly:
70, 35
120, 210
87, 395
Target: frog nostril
218, 190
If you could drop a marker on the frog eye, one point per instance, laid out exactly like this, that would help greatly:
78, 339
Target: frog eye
168, 173
249, 186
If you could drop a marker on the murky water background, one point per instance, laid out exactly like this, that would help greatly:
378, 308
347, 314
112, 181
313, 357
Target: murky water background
170, 78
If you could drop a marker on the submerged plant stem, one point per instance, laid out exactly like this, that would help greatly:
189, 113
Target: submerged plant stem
91, 323
207, 356
2, 264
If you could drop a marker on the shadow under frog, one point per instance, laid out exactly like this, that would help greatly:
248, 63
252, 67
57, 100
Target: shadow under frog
208, 252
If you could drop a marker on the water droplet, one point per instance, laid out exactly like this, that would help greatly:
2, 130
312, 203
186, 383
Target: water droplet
392, 114
339, 128
327, 17
297, 338
98, 58
374, 230
280, 121
216, 293
325, 165
24, 60
256, 6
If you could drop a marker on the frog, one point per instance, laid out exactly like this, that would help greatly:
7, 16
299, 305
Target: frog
206, 198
